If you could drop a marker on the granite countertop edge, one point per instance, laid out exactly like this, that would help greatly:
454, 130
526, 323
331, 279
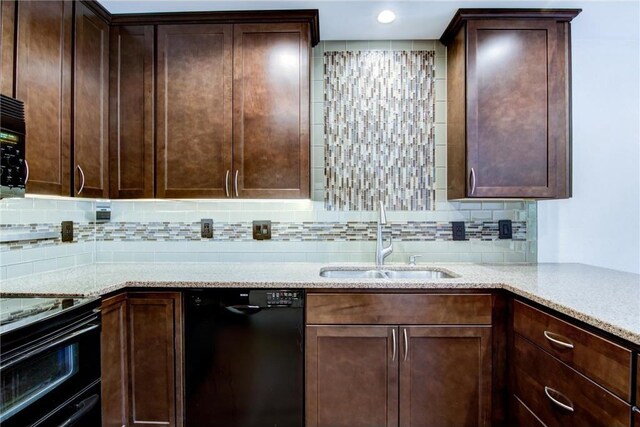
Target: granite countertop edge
513, 280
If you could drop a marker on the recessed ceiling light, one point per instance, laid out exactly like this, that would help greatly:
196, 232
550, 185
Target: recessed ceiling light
386, 17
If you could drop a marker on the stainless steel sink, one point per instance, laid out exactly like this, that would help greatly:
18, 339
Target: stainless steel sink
417, 274
353, 274
424, 274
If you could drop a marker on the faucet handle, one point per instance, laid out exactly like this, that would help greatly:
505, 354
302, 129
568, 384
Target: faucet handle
412, 259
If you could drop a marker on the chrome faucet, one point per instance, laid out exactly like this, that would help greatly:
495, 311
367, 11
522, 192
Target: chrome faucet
381, 251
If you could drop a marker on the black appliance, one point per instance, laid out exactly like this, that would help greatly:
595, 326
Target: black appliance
50, 365
244, 358
14, 169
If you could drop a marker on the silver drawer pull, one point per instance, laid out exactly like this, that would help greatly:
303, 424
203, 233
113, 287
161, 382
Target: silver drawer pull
26, 172
226, 184
393, 344
636, 409
549, 390
548, 336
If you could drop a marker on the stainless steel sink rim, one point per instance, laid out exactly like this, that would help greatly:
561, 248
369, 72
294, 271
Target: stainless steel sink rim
387, 274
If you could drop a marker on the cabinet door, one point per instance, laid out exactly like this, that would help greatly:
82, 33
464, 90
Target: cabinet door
43, 83
194, 110
517, 108
131, 112
113, 359
7, 43
445, 376
91, 106
271, 110
351, 376
155, 359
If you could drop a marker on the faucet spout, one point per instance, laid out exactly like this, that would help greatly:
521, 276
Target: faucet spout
382, 251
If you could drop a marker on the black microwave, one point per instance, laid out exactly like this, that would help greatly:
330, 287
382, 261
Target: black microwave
14, 169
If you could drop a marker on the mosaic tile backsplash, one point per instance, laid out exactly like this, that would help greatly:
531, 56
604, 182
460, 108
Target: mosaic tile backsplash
379, 129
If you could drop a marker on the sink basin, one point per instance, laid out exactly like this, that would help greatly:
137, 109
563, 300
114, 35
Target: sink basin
354, 274
417, 274
425, 274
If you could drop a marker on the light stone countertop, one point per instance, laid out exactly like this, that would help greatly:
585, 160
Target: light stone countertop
606, 299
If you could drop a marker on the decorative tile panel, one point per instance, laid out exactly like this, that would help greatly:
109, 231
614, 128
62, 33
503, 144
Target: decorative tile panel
379, 130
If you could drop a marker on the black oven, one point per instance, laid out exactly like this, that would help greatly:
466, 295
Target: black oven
14, 169
50, 371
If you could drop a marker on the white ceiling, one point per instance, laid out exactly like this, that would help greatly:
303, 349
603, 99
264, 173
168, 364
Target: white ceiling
352, 20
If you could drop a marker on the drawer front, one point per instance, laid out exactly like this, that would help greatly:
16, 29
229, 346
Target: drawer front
606, 363
394, 309
522, 416
560, 396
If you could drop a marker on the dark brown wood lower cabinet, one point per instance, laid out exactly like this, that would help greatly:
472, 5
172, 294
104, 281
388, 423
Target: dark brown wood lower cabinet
522, 415
445, 376
142, 360
409, 376
560, 396
351, 376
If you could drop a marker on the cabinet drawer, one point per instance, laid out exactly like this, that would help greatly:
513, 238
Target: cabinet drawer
606, 363
394, 309
545, 384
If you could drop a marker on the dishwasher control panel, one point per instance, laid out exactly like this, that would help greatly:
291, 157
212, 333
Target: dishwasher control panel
284, 298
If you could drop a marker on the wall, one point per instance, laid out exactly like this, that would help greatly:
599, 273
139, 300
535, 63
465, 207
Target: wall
600, 225
168, 230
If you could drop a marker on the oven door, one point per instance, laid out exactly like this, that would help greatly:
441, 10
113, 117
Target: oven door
39, 377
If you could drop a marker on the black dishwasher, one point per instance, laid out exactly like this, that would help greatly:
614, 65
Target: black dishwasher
244, 358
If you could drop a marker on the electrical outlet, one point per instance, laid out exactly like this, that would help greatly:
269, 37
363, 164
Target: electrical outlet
458, 230
505, 230
67, 231
206, 228
262, 230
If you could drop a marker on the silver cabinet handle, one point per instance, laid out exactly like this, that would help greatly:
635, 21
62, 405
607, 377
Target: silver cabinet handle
548, 336
235, 183
393, 344
81, 174
472, 178
226, 183
26, 172
406, 344
636, 409
568, 407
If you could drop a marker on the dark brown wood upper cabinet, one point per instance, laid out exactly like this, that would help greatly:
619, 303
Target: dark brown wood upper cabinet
194, 110
7, 44
43, 82
91, 104
131, 112
508, 118
271, 110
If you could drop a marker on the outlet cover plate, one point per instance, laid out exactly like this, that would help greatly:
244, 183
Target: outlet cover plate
262, 230
67, 231
458, 230
505, 229
206, 228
